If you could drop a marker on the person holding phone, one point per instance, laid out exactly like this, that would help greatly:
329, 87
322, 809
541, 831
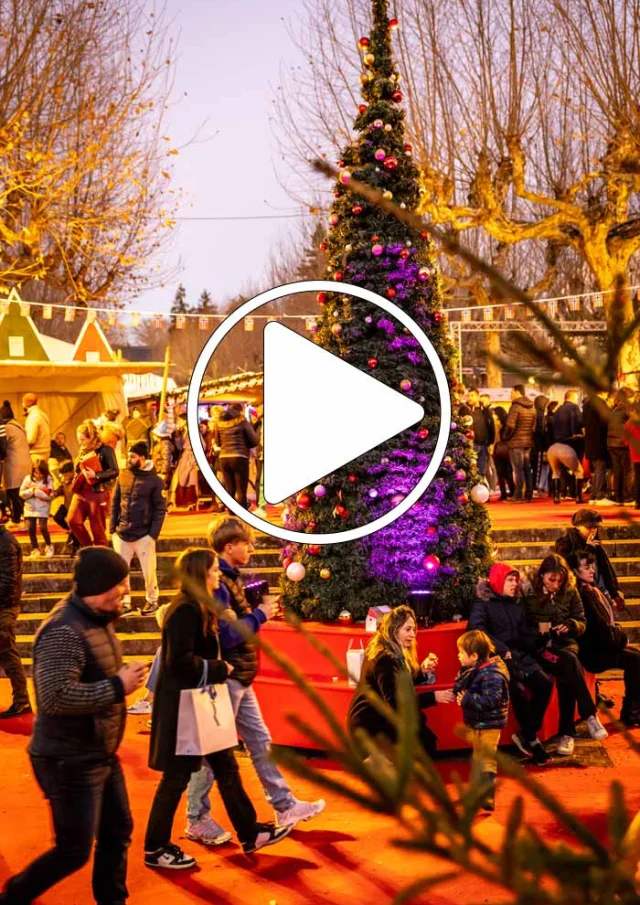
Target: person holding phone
81, 684
96, 473
554, 605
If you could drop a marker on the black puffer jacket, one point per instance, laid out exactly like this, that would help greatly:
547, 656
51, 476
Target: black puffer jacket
572, 542
484, 432
235, 436
138, 507
601, 643
521, 422
563, 608
595, 428
81, 711
10, 571
504, 620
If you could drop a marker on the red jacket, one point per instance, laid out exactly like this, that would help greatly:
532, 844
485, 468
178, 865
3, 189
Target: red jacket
632, 431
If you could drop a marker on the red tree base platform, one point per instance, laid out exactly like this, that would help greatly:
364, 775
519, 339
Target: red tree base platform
279, 696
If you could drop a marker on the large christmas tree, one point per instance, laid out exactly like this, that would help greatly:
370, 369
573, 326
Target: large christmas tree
441, 545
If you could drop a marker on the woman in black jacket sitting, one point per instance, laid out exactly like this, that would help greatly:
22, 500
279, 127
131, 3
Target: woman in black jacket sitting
499, 612
392, 651
189, 643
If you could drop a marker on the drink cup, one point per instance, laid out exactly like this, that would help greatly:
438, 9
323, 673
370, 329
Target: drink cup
544, 627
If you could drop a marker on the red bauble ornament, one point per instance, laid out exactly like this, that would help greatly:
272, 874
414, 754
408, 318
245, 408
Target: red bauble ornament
341, 164
432, 531
363, 108
341, 511
390, 163
314, 549
404, 254
345, 617
373, 362
391, 293
423, 433
322, 298
303, 500
396, 97
431, 562
437, 317
286, 562
424, 235
470, 435
408, 148
356, 209
338, 275
374, 238
363, 42
463, 498
323, 246
312, 526
352, 479
447, 460
393, 23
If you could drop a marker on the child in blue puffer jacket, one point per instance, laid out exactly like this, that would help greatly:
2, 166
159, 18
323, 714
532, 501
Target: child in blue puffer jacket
482, 690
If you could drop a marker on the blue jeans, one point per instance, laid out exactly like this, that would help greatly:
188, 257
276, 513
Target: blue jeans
251, 727
482, 451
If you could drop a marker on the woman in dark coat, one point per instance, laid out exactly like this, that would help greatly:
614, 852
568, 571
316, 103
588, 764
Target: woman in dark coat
499, 612
554, 606
504, 471
392, 651
189, 642
583, 538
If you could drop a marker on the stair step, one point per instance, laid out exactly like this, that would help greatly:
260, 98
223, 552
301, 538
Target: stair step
64, 564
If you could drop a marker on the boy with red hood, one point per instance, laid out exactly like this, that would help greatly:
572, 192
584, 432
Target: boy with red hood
499, 612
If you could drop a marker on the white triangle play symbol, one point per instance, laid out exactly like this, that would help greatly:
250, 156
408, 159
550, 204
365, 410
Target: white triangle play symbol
320, 413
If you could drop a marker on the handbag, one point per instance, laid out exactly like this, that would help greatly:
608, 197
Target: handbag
355, 659
206, 722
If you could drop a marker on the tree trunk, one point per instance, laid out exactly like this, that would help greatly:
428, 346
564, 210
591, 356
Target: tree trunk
609, 270
494, 371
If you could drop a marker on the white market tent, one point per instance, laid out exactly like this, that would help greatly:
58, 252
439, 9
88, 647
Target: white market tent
73, 381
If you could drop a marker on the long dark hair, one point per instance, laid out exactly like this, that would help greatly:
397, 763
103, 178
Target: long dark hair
554, 563
43, 468
190, 572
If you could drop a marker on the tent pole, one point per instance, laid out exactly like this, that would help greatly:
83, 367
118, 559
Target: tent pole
165, 380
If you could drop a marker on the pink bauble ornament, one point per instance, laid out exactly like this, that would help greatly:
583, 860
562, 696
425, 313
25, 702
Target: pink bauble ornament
380, 154
313, 549
431, 562
319, 490
461, 475
454, 426
334, 219
373, 493
336, 329
377, 250
296, 571
345, 177
378, 123
397, 498
405, 385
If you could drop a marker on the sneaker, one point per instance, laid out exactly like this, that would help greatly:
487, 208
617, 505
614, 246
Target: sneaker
48, 552
140, 707
538, 752
169, 857
605, 501
35, 554
565, 745
207, 831
521, 744
149, 609
16, 710
149, 723
267, 834
596, 729
129, 610
301, 810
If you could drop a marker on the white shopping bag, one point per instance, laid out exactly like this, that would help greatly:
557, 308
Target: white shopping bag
206, 722
355, 659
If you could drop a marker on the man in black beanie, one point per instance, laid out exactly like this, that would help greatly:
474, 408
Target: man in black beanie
137, 514
80, 685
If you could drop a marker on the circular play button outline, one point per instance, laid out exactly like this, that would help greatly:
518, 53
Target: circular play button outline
273, 295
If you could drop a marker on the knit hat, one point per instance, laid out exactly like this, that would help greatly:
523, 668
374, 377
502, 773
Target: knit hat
498, 574
139, 448
586, 517
97, 570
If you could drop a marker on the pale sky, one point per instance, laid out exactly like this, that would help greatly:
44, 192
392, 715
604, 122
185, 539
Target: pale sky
229, 61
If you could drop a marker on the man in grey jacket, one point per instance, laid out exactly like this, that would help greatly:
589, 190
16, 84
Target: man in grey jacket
81, 684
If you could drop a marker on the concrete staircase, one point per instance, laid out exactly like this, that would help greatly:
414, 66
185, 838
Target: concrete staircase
47, 581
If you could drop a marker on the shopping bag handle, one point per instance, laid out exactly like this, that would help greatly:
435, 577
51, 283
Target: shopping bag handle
356, 648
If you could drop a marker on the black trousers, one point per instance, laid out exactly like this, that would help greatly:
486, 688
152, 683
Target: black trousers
572, 687
10, 658
636, 483
621, 466
235, 477
88, 802
629, 661
529, 709
172, 787
16, 503
504, 473
60, 518
42, 523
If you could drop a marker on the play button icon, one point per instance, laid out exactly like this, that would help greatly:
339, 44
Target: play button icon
337, 412
319, 412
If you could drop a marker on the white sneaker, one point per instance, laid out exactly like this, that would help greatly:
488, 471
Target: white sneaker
565, 746
140, 707
604, 502
207, 831
48, 552
596, 729
35, 554
301, 810
171, 857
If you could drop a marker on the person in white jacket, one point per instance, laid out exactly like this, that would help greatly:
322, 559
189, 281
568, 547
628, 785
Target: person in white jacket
37, 492
37, 428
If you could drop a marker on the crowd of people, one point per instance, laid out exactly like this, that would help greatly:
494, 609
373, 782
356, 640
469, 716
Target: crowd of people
540, 447
524, 633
